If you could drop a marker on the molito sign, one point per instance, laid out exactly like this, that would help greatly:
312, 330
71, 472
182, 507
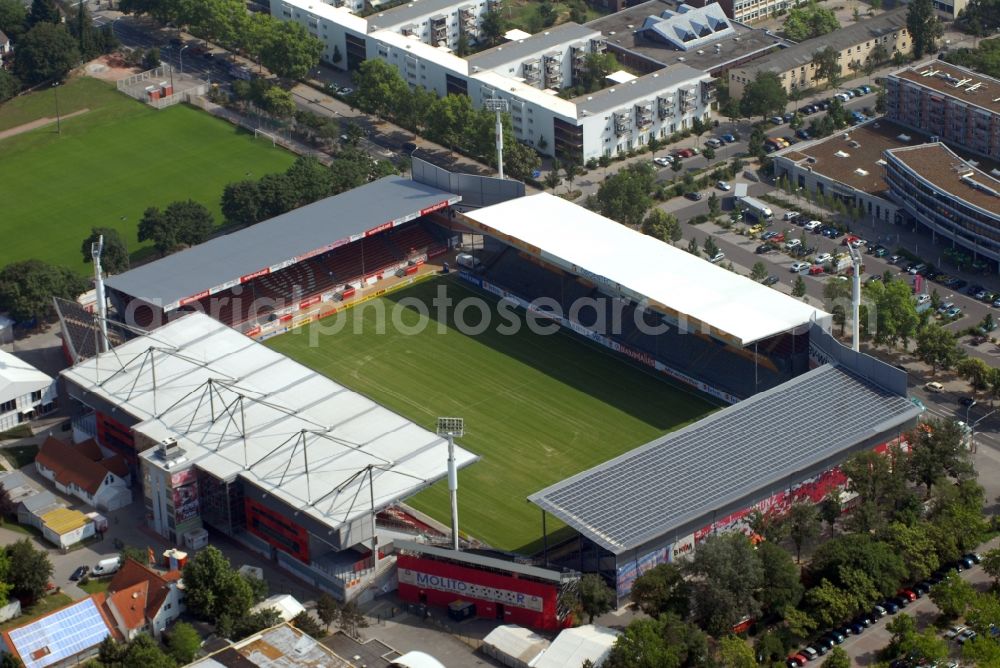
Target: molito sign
462, 588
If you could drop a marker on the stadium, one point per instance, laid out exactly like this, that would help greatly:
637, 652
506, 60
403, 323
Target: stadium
313, 469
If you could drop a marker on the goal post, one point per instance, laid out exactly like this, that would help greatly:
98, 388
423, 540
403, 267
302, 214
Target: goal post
262, 133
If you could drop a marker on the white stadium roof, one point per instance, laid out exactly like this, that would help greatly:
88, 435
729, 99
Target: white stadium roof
290, 431
712, 299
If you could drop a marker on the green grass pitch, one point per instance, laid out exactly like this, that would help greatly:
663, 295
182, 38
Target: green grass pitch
109, 165
537, 408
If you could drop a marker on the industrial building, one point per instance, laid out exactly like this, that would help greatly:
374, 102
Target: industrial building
25, 392
855, 43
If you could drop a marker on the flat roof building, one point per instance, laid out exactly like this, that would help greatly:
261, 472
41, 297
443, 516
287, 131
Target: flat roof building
948, 195
652, 35
953, 103
856, 43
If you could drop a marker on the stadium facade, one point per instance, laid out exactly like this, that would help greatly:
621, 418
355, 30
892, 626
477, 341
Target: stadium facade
235, 437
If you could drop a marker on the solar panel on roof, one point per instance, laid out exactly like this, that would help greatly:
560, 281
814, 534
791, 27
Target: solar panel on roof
62, 634
747, 447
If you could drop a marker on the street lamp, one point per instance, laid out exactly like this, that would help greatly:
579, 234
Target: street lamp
180, 55
969, 408
452, 428
972, 430
55, 89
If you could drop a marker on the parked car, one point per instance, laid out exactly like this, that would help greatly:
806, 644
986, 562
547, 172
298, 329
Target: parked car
922, 588
724, 186
728, 138
917, 269
812, 225
791, 215
891, 606
777, 120
816, 270
663, 161
837, 636
857, 628
934, 386
878, 611
717, 258
822, 258
798, 267
907, 594
694, 196
953, 312
810, 652
79, 573
792, 243
346, 90
923, 298
966, 635
880, 251
770, 280
975, 557
765, 248
955, 631
803, 134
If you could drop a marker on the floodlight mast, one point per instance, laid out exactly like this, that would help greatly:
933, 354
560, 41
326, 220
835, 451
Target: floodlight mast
499, 106
855, 298
452, 428
96, 249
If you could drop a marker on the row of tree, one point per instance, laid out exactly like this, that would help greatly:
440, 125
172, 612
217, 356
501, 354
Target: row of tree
914, 511
449, 120
46, 48
283, 47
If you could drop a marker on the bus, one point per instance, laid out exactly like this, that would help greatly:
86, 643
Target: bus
754, 207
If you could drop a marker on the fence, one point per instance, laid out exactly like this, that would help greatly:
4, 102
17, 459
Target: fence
187, 95
125, 85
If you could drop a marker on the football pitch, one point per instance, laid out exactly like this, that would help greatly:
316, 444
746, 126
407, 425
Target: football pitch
537, 408
109, 164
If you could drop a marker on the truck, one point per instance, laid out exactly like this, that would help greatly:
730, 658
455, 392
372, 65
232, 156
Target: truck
107, 566
755, 208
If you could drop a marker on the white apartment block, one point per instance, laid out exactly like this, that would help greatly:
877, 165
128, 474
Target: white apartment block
25, 392
529, 73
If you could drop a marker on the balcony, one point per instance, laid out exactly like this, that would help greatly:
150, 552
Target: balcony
623, 122
708, 92
643, 115
665, 107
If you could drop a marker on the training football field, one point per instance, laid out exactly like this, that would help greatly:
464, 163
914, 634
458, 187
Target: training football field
537, 408
110, 163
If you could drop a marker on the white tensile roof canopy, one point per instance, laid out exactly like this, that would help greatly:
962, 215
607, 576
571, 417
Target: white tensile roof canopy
238, 408
713, 300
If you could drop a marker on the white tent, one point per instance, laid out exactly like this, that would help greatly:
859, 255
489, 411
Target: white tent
417, 660
287, 606
574, 646
514, 646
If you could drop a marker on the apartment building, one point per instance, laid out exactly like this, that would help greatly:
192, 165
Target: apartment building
855, 43
528, 73
952, 103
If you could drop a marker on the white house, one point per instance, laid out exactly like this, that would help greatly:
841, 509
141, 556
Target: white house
25, 392
6, 47
72, 472
143, 600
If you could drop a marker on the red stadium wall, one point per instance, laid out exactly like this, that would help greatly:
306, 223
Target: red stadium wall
277, 531
114, 435
507, 598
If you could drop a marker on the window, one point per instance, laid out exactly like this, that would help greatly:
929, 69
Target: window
8, 406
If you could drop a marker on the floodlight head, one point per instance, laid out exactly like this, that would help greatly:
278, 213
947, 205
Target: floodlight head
451, 426
496, 104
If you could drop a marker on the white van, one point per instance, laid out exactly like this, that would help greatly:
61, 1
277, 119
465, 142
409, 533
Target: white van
107, 566
467, 260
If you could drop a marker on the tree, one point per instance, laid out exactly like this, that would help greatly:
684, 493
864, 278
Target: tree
809, 21
111, 652
666, 642
192, 222
46, 52
727, 575
310, 180
43, 11
924, 27
307, 624
861, 552
837, 658
278, 103
351, 619
114, 257
27, 289
289, 51
827, 62
709, 154
241, 203
938, 451
492, 27
981, 651
836, 298
711, 248
782, 587
952, 595
692, 247
676, 166
896, 315
828, 604
830, 507
213, 588
662, 589
552, 180
976, 371
183, 643
736, 653
625, 196
803, 525
764, 96
28, 571
799, 624
144, 651
759, 271
938, 347
662, 225
714, 208
277, 194
915, 545
327, 609
799, 287
768, 524
9, 85
13, 18
596, 597
991, 564
596, 68
151, 59
238, 627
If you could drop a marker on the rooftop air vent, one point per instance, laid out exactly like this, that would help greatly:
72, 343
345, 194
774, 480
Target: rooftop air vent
861, 172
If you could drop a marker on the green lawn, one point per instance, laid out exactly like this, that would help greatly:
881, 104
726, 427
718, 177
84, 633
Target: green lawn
109, 165
537, 408
94, 586
21, 455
